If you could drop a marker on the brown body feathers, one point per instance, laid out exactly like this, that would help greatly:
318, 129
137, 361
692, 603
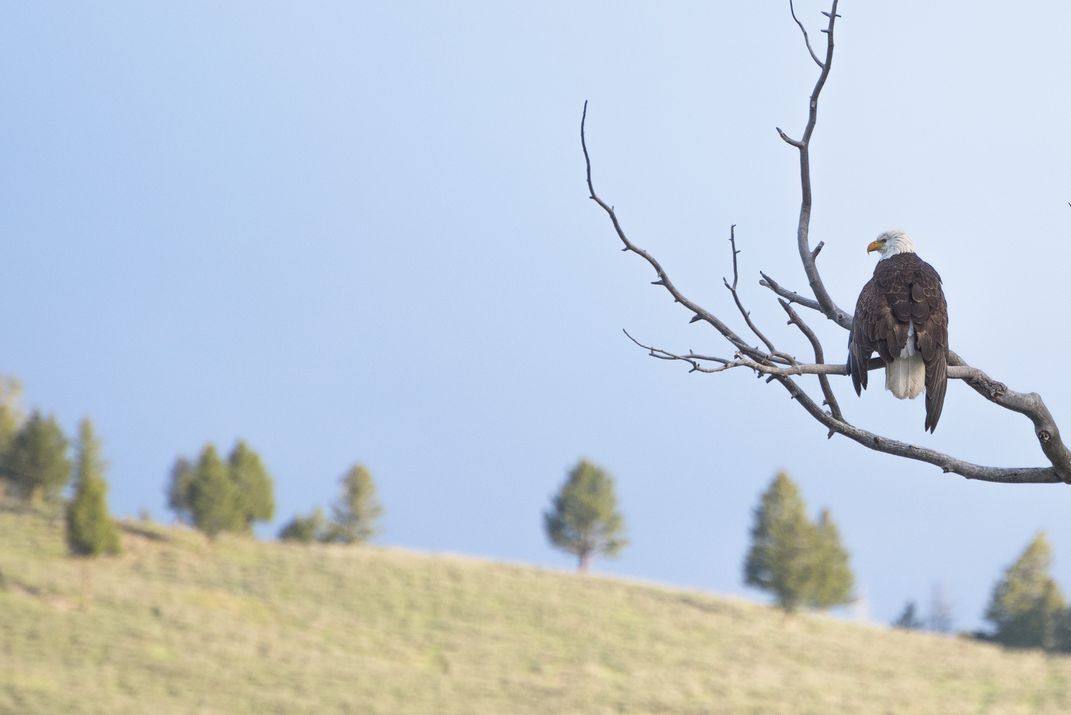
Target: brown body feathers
905, 290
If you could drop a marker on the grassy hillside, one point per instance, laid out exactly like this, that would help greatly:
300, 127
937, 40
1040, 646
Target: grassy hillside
176, 625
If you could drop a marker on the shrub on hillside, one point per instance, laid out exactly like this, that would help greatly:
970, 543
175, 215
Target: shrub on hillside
90, 529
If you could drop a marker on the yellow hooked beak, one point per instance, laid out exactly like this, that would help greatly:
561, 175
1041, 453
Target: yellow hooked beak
875, 246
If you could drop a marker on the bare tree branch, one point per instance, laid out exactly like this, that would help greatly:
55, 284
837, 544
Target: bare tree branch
663, 280
795, 369
691, 358
1028, 404
819, 357
781, 367
1015, 475
794, 297
783, 374
740, 306
1005, 475
804, 146
806, 39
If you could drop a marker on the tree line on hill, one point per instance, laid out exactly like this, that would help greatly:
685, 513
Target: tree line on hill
803, 564
209, 494
1026, 608
939, 619
35, 468
353, 515
215, 496
800, 562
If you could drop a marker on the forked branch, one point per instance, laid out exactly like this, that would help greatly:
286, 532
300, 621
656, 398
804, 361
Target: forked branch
779, 366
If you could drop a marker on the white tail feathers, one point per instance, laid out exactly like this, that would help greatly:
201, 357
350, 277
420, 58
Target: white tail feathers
906, 376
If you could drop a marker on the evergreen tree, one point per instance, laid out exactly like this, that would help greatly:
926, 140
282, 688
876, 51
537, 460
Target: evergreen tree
781, 541
90, 529
247, 497
583, 518
354, 515
11, 418
36, 461
214, 502
253, 484
178, 489
909, 618
306, 529
802, 564
1027, 608
831, 572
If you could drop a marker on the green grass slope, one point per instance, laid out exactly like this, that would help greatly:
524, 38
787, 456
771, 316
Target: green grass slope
178, 625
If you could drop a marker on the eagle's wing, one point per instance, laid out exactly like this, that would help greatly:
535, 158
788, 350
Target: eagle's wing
930, 313
859, 347
875, 327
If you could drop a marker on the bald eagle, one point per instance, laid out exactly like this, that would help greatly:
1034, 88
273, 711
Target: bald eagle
902, 316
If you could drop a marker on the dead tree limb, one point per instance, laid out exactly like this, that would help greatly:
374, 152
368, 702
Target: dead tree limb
818, 288
819, 357
779, 366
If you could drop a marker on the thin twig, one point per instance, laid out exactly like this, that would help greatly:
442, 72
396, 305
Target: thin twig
740, 306
690, 358
806, 39
799, 368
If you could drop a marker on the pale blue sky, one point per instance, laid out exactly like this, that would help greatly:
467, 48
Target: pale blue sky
359, 232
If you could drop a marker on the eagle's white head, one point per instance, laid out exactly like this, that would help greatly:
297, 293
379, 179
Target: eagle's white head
890, 243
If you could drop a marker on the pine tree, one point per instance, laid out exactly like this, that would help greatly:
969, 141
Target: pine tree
248, 497
909, 618
831, 572
306, 529
178, 489
36, 462
253, 484
802, 564
781, 541
1027, 608
214, 503
354, 515
583, 518
90, 529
